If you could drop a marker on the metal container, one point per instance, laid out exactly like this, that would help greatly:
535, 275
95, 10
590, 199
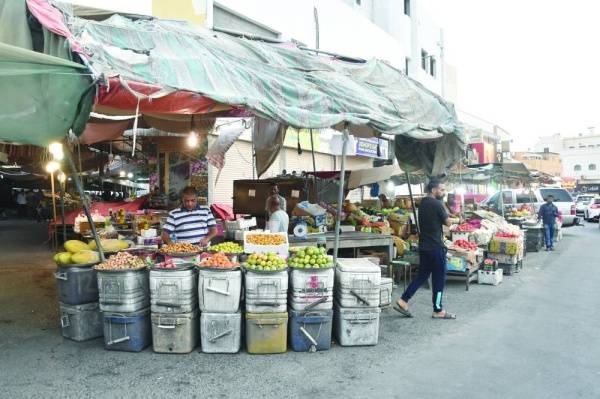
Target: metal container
129, 332
358, 282
266, 332
173, 290
385, 289
76, 285
312, 280
221, 332
266, 292
356, 326
219, 291
123, 291
308, 301
175, 333
311, 330
81, 322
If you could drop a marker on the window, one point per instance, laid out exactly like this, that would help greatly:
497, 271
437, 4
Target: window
577, 168
559, 194
424, 60
357, 2
592, 166
526, 198
591, 146
571, 147
407, 7
406, 65
432, 66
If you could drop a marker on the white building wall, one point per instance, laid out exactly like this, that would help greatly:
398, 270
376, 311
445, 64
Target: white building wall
580, 154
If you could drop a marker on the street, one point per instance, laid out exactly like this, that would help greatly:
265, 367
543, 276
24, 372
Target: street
533, 336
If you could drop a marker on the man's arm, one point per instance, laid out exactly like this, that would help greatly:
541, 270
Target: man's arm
212, 232
166, 237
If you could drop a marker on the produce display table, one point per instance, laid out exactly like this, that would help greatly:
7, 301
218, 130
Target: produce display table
468, 276
349, 239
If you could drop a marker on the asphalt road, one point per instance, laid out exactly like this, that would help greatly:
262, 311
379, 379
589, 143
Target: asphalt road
533, 336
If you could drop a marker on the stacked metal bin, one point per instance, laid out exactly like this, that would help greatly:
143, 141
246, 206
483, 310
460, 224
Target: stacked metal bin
219, 294
80, 317
266, 311
174, 308
311, 304
125, 305
357, 299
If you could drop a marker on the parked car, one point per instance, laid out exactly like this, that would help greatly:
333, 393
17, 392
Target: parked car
581, 203
592, 211
515, 198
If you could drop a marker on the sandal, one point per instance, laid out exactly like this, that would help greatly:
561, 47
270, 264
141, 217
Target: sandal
446, 316
404, 312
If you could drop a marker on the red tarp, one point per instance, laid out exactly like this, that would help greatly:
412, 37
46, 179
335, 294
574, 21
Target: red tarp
52, 19
103, 207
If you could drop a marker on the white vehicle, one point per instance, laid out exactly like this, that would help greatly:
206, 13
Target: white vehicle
514, 198
581, 202
592, 212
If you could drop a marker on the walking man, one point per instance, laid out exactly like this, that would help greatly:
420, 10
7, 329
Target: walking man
548, 213
432, 252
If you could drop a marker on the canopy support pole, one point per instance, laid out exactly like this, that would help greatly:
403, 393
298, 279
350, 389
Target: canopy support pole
312, 148
84, 201
412, 202
62, 209
54, 233
336, 239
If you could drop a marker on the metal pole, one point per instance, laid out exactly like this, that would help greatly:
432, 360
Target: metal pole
312, 150
54, 237
86, 209
336, 239
412, 201
62, 209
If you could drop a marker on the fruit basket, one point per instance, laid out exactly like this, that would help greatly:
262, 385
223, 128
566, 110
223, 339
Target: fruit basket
265, 263
309, 258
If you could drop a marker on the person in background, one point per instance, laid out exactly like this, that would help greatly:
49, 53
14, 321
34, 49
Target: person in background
432, 252
384, 202
21, 203
275, 194
191, 222
279, 220
548, 213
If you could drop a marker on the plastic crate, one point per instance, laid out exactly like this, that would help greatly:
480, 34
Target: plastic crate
310, 330
457, 264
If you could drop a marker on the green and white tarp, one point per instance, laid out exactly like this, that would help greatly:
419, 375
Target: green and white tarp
279, 82
42, 96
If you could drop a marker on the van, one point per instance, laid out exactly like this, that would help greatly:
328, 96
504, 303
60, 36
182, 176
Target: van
514, 198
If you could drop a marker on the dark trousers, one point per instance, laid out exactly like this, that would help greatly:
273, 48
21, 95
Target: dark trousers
431, 263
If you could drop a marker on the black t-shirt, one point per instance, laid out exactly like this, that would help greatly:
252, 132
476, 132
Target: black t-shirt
431, 218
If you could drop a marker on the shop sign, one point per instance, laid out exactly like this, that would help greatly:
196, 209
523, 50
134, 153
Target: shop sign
588, 188
367, 147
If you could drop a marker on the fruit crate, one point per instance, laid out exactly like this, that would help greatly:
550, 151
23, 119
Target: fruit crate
281, 250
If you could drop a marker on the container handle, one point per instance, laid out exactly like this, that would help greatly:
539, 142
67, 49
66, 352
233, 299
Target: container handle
368, 321
308, 336
209, 288
171, 326
64, 320
171, 305
221, 335
360, 298
61, 276
118, 340
265, 303
266, 322
316, 303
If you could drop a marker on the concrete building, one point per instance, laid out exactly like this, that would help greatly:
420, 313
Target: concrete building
546, 162
580, 154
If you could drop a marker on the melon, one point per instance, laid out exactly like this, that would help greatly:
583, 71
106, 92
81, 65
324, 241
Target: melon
85, 256
74, 246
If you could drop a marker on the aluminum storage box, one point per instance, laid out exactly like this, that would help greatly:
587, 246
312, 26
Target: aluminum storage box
356, 326
219, 291
358, 282
175, 333
266, 332
221, 332
174, 290
385, 289
81, 322
76, 285
129, 332
266, 292
124, 290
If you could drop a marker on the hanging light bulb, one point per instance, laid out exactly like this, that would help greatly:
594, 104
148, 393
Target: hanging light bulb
56, 149
52, 166
192, 140
61, 177
129, 175
122, 173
